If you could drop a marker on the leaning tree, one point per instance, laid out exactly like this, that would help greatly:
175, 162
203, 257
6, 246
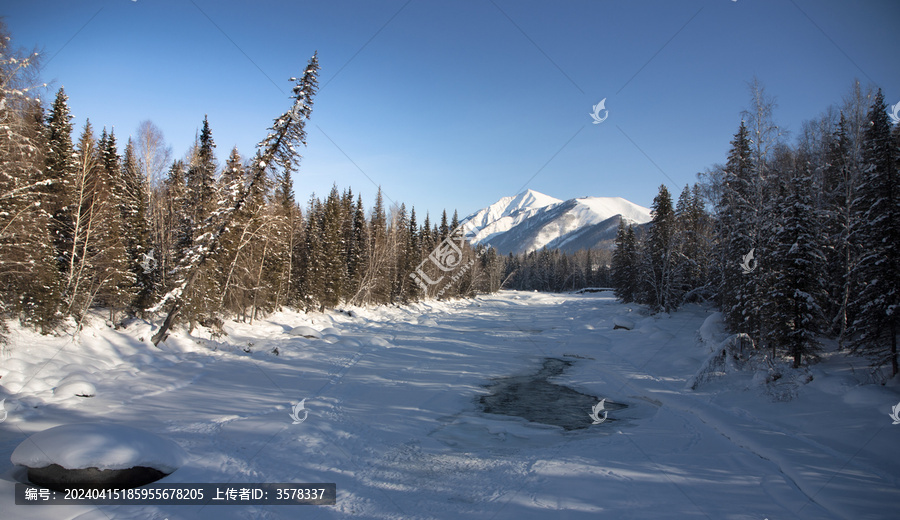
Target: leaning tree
277, 150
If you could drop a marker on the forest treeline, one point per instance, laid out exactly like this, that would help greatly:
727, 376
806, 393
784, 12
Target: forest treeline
84, 225
794, 242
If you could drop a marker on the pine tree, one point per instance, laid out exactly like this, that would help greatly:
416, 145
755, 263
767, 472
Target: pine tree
692, 243
201, 178
877, 321
736, 233
838, 187
288, 231
236, 240
624, 268
359, 251
792, 309
312, 260
284, 191
397, 238
377, 288
445, 228
98, 274
176, 235
659, 261
411, 258
60, 171
203, 297
136, 230
333, 251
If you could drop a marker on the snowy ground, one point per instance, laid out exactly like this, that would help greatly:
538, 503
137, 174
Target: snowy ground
394, 419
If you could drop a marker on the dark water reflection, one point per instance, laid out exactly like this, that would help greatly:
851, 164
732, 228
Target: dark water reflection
534, 398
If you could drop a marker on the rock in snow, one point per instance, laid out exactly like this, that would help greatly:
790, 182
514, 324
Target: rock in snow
97, 453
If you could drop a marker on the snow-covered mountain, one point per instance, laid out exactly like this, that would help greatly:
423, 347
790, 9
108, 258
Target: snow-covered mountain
531, 221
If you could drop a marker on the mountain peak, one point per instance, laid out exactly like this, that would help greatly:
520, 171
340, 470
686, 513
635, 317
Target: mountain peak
532, 220
509, 209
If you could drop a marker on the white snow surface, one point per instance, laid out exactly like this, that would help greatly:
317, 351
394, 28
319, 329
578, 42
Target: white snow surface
598, 209
394, 418
98, 445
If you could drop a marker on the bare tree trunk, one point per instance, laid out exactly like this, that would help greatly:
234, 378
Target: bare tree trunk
262, 263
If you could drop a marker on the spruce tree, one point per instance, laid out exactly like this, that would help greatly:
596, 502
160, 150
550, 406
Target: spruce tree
313, 262
693, 239
624, 267
359, 250
877, 317
659, 261
60, 171
397, 233
838, 187
117, 288
736, 234
411, 258
444, 228
136, 229
792, 309
201, 178
379, 286
333, 252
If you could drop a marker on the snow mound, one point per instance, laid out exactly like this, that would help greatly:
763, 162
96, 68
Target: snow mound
622, 323
77, 388
98, 445
306, 332
427, 321
380, 342
331, 331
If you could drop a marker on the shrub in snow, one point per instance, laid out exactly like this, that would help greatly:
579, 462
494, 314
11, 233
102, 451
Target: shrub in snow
97, 454
306, 332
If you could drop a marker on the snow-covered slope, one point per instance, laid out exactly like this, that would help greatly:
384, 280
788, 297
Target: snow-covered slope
532, 220
506, 214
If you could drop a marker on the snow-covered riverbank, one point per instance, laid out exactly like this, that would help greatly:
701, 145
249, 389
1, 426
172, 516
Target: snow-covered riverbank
394, 417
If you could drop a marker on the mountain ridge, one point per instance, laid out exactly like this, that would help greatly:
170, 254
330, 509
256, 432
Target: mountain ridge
531, 221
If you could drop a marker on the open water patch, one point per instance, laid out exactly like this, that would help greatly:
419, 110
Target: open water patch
534, 398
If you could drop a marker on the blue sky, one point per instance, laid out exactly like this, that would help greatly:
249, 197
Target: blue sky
456, 104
